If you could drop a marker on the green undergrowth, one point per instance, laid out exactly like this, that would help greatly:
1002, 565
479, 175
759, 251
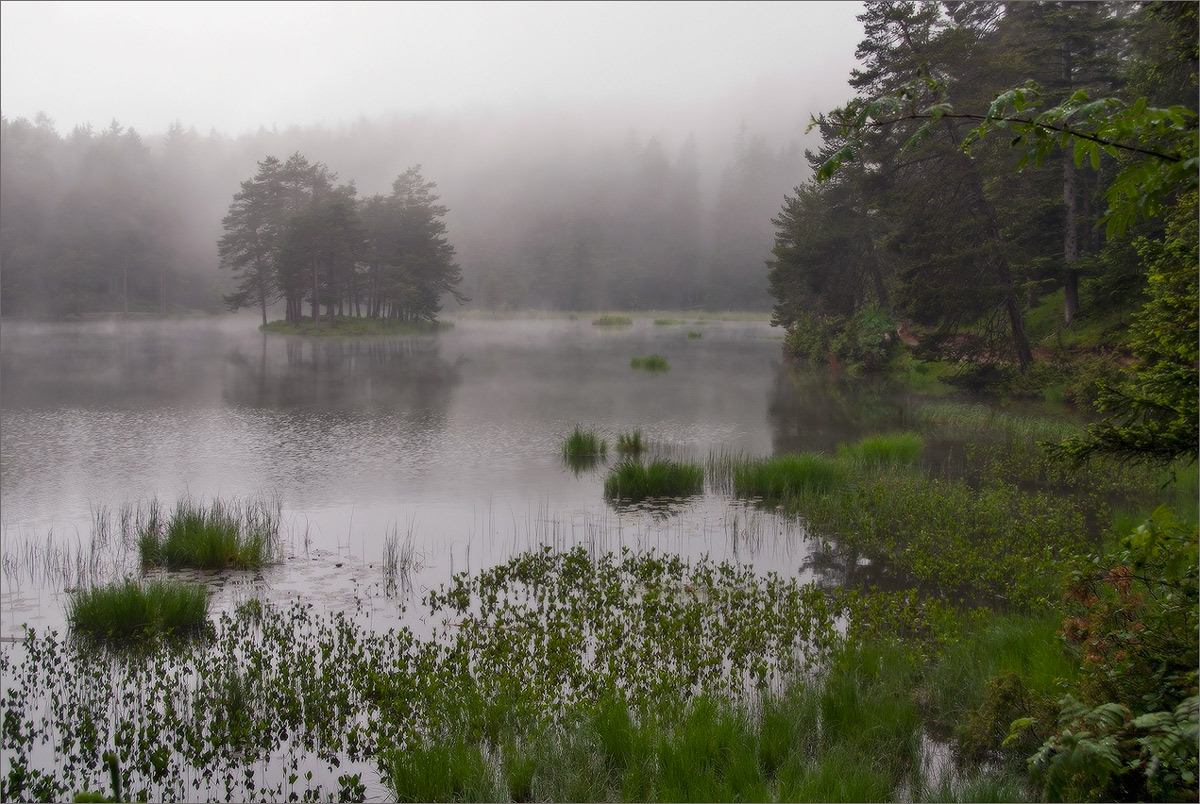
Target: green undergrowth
633, 482
222, 535
131, 610
347, 326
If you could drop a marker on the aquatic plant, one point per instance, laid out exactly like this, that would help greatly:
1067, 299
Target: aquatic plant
132, 610
584, 444
786, 476
695, 336
630, 443
667, 322
660, 479
225, 535
612, 320
650, 363
888, 449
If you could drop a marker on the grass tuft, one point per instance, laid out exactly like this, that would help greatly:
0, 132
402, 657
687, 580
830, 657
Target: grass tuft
221, 536
892, 449
634, 482
584, 444
131, 610
630, 443
787, 476
651, 363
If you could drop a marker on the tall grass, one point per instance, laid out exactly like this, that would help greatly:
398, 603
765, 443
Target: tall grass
131, 610
786, 476
634, 482
224, 535
891, 449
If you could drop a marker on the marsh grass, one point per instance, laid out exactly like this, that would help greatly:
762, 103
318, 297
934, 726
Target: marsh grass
786, 477
975, 418
131, 610
695, 336
223, 535
668, 322
630, 443
651, 363
659, 479
399, 560
612, 320
883, 450
584, 444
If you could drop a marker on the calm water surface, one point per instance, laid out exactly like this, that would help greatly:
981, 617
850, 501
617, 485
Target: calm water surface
450, 439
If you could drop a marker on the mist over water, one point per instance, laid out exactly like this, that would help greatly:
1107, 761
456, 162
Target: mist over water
451, 439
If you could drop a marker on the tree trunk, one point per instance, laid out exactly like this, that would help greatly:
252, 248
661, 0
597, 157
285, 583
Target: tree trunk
1070, 224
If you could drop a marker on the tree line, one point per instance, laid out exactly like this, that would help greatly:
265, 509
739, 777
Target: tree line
923, 217
294, 234
545, 213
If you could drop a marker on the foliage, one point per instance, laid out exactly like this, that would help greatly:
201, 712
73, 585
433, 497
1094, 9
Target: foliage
1155, 416
345, 326
1129, 729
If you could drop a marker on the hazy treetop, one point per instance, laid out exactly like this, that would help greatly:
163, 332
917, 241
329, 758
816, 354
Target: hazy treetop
236, 66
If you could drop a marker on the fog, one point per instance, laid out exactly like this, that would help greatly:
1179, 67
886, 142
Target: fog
590, 154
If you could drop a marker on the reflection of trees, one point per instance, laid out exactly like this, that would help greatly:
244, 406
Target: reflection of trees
406, 373
807, 411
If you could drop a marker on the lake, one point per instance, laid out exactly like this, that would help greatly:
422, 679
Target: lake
450, 441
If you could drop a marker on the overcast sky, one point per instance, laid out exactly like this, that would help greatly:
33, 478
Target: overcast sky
235, 66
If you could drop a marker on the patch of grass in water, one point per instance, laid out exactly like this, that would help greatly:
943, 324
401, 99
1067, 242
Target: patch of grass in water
650, 363
668, 322
634, 482
695, 336
787, 476
890, 449
130, 610
222, 536
584, 444
630, 443
612, 320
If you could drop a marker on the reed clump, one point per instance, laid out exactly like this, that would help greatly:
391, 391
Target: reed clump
650, 363
584, 444
612, 320
634, 482
894, 449
630, 443
787, 476
132, 610
695, 336
223, 535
